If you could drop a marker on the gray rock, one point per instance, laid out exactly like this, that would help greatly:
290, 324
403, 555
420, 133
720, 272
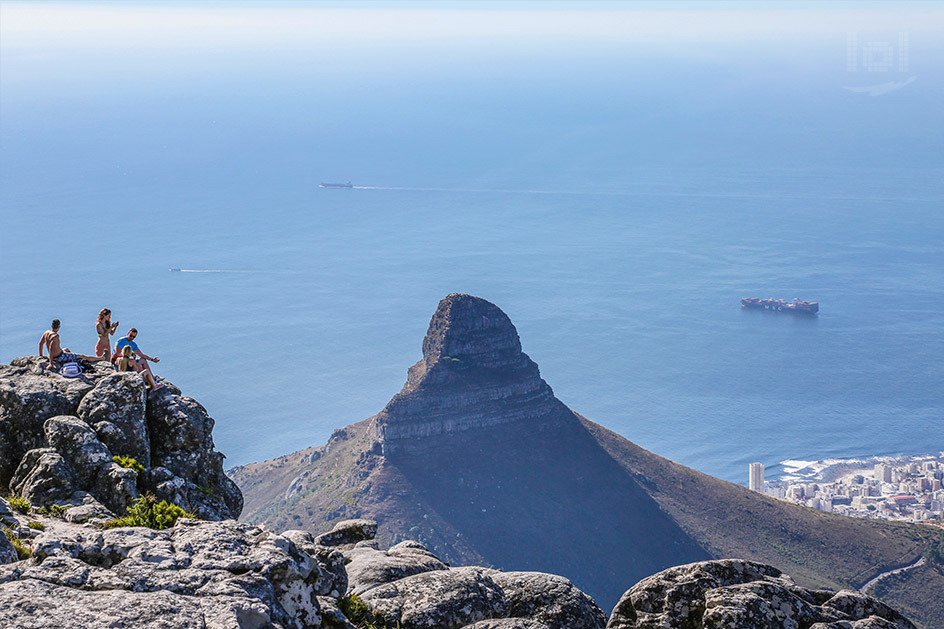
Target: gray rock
182, 442
331, 615
219, 573
27, 399
549, 599
89, 513
442, 599
58, 436
6, 513
858, 606
872, 622
116, 407
757, 604
348, 532
44, 477
737, 594
507, 623
34, 604
7, 552
91, 462
367, 567
333, 580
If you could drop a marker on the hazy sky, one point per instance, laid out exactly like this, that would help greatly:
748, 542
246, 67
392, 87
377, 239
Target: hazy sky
32, 24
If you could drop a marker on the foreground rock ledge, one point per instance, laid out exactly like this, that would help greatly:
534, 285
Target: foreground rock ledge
226, 575
231, 575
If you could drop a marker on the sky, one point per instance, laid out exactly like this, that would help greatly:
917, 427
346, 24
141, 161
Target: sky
28, 25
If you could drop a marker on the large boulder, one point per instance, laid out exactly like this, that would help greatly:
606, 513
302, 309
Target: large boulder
116, 409
29, 395
407, 586
550, 599
182, 443
346, 533
334, 579
738, 594
44, 477
445, 599
369, 567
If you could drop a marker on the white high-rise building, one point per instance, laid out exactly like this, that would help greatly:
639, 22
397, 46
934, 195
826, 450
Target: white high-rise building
756, 481
883, 473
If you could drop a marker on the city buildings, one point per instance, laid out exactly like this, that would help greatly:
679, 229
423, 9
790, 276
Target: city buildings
905, 489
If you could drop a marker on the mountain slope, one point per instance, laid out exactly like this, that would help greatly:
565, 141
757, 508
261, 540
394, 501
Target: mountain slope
477, 459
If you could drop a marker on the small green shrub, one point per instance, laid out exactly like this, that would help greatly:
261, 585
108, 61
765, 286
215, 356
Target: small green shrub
354, 608
128, 463
53, 511
22, 551
39, 526
148, 512
357, 611
19, 504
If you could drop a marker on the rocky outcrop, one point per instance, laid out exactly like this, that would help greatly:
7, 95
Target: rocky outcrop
737, 594
229, 575
197, 574
408, 586
58, 437
473, 375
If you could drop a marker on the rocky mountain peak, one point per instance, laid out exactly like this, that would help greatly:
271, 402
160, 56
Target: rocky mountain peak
472, 329
473, 375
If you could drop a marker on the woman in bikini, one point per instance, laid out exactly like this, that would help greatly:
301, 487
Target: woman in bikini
105, 329
127, 363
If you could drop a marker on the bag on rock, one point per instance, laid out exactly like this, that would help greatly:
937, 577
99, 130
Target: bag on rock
70, 370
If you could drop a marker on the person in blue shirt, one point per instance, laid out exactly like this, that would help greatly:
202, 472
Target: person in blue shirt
141, 364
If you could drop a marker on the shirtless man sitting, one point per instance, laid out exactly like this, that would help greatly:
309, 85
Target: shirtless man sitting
57, 355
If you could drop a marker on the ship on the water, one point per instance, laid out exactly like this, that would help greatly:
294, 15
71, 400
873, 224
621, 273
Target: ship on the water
347, 184
779, 305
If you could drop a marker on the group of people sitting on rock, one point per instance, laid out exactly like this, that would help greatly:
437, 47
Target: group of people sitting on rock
126, 357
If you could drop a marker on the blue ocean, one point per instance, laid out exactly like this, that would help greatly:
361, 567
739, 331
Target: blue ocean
616, 197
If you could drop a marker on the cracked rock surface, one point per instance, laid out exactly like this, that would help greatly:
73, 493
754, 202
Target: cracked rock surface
196, 574
736, 594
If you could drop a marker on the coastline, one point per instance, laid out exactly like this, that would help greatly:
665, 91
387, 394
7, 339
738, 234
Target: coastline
836, 469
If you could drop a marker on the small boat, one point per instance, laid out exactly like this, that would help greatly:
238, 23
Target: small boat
172, 270
337, 185
806, 307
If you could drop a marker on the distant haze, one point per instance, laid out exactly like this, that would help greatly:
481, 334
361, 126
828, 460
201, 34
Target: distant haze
615, 179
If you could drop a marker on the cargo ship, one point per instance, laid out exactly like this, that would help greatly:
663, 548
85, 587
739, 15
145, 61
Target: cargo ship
337, 185
806, 307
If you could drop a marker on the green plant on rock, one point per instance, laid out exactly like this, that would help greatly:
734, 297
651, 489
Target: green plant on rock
148, 512
22, 551
357, 611
39, 526
53, 511
128, 462
21, 505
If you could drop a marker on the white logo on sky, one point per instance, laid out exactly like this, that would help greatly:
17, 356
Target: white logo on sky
876, 58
